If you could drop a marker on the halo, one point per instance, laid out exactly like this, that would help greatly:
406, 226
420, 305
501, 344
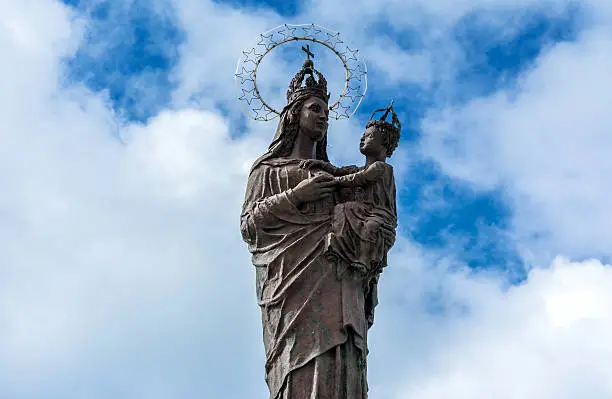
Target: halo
247, 91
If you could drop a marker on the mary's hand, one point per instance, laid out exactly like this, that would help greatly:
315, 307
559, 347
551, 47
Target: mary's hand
314, 164
312, 189
311, 164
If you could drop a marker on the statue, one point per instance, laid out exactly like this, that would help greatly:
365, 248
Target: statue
318, 236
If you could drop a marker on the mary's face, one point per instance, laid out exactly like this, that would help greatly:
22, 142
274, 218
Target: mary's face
313, 118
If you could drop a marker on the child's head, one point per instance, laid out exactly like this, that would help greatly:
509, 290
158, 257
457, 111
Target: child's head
380, 137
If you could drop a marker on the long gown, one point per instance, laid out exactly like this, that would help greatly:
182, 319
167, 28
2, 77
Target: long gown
314, 323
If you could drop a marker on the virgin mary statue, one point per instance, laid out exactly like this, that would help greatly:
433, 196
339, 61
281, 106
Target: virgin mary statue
314, 323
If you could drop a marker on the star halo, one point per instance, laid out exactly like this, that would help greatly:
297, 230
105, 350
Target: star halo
355, 85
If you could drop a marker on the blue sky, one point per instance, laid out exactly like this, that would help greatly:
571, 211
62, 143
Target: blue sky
124, 274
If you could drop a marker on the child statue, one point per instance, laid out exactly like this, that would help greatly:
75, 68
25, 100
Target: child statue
363, 228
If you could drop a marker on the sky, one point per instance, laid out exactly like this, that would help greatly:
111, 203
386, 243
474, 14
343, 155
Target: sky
124, 154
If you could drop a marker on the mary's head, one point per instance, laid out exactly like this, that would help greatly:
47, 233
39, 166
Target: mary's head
304, 120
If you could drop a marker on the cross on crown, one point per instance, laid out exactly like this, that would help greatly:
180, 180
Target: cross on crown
317, 87
307, 51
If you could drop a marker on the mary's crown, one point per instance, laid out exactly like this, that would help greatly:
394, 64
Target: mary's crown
305, 82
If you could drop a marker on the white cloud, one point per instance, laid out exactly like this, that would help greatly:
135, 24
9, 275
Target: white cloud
115, 258
544, 339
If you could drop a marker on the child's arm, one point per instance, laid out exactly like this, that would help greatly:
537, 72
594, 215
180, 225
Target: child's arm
347, 170
327, 167
362, 178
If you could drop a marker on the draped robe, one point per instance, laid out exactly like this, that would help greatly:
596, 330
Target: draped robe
368, 210
314, 323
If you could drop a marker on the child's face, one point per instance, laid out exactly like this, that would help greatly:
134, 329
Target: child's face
372, 142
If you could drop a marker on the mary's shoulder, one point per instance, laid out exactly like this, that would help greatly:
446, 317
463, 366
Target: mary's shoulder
274, 167
280, 162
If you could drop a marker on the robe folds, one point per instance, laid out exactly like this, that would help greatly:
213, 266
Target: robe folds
314, 323
361, 220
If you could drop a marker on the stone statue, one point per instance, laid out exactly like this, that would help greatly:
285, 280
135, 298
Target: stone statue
318, 259
318, 235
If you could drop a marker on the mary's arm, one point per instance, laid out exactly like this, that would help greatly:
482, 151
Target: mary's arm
264, 208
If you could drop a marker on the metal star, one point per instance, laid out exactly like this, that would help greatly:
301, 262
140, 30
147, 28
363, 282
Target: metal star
248, 96
333, 40
262, 40
290, 32
278, 37
259, 111
268, 114
353, 75
246, 75
247, 54
345, 110
307, 29
352, 93
353, 54
315, 31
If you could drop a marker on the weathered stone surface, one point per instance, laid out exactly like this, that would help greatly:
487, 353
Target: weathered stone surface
319, 236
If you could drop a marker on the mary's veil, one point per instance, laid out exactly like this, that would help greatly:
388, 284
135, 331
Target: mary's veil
286, 133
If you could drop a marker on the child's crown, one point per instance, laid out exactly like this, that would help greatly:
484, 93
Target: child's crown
394, 125
391, 129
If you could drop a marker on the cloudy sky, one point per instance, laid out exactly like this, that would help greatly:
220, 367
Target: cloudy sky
123, 159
